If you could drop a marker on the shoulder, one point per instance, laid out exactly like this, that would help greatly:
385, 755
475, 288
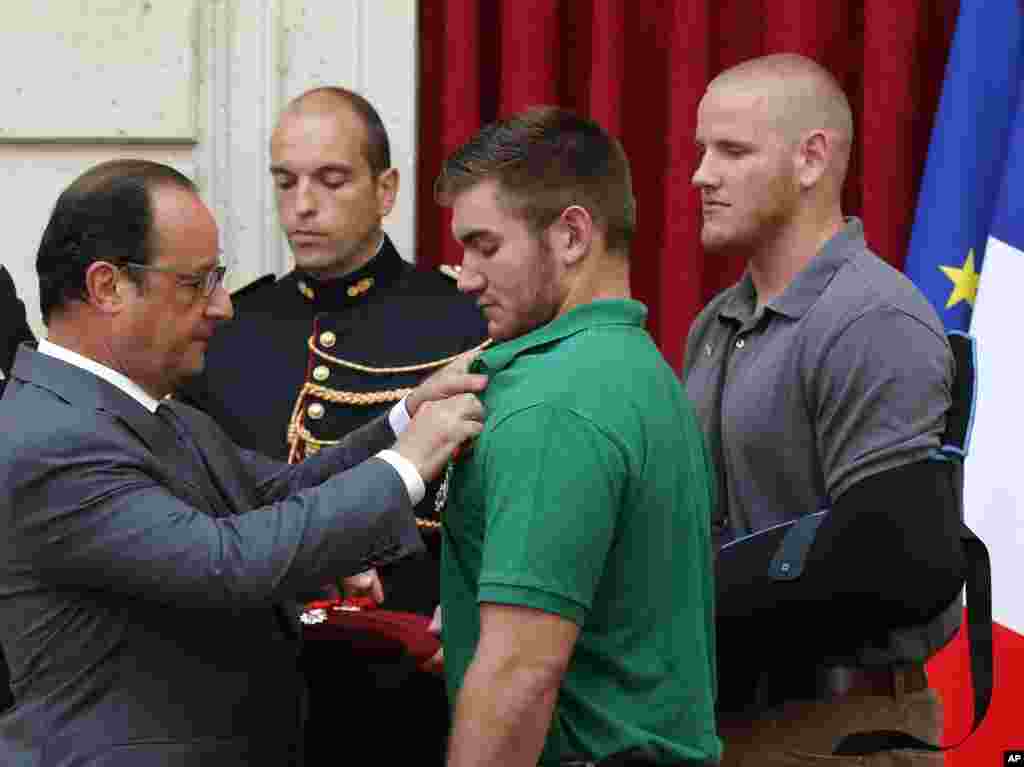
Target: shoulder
569, 433
872, 314
257, 289
41, 430
437, 283
431, 300
261, 308
867, 285
6, 283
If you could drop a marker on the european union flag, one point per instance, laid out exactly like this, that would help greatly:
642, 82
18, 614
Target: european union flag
967, 156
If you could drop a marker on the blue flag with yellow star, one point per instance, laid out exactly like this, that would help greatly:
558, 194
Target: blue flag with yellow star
967, 157
970, 220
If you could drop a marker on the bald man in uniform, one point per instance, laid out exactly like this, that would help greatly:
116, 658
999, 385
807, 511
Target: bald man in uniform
822, 380
323, 350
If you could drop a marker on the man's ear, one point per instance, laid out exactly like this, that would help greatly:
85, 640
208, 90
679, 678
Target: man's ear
387, 190
815, 154
103, 288
575, 233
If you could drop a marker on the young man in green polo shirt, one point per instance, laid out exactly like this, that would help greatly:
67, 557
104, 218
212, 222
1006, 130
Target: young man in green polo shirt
576, 572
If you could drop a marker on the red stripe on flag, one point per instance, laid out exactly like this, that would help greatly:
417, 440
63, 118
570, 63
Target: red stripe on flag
1003, 728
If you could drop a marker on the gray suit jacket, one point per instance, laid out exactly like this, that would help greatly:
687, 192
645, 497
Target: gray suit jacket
140, 594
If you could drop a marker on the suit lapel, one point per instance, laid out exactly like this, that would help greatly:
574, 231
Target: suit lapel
81, 388
216, 477
187, 480
84, 389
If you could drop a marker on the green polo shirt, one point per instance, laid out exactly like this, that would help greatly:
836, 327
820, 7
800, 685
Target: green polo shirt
588, 495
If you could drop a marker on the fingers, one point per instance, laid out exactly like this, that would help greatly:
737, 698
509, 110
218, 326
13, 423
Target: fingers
469, 416
436, 663
377, 589
453, 384
435, 622
447, 382
461, 363
467, 406
438, 430
366, 584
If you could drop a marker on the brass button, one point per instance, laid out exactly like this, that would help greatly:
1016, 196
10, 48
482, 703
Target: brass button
352, 291
321, 372
315, 411
328, 339
305, 290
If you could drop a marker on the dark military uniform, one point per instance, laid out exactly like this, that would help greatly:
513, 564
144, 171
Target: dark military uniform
303, 363
14, 327
14, 330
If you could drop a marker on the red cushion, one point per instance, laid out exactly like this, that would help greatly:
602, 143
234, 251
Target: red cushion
368, 630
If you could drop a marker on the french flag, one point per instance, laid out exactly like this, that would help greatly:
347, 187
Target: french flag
967, 255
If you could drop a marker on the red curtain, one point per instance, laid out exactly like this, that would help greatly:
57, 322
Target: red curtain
640, 67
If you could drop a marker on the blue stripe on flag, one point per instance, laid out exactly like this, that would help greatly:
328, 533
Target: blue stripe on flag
967, 157
1008, 222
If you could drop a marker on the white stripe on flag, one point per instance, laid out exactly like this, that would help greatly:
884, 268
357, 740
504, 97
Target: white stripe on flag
994, 473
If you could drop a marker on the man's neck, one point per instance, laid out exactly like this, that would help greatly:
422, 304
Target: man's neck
364, 255
96, 347
775, 265
606, 280
112, 376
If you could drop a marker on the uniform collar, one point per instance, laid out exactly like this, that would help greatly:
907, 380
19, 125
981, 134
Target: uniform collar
586, 317
379, 272
808, 284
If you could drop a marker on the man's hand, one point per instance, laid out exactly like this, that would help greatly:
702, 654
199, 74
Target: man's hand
450, 380
435, 665
363, 585
438, 428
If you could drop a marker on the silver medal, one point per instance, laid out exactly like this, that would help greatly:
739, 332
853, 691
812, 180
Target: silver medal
441, 499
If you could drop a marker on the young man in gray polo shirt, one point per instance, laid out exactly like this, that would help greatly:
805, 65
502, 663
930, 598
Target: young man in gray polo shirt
822, 380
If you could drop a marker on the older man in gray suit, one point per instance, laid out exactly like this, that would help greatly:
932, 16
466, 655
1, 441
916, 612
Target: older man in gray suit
145, 560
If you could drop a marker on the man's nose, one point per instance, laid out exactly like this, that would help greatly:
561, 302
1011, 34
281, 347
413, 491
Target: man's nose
470, 280
704, 176
305, 200
219, 306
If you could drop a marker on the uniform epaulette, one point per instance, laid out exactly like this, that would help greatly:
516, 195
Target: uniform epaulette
448, 270
266, 279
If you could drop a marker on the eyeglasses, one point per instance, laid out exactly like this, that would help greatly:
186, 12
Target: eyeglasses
205, 282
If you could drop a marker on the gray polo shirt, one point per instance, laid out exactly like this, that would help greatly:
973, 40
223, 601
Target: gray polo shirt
847, 373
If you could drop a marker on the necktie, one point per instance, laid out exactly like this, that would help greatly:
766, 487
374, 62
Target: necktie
286, 615
189, 451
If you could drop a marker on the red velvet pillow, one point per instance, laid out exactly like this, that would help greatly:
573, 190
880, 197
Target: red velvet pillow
368, 630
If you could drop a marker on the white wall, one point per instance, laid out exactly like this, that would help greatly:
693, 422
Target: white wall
196, 84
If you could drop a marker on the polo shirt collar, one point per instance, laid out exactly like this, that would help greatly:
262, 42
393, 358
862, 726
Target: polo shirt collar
618, 311
808, 284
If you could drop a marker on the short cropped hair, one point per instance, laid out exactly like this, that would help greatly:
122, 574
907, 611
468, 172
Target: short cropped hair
545, 160
377, 149
105, 215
